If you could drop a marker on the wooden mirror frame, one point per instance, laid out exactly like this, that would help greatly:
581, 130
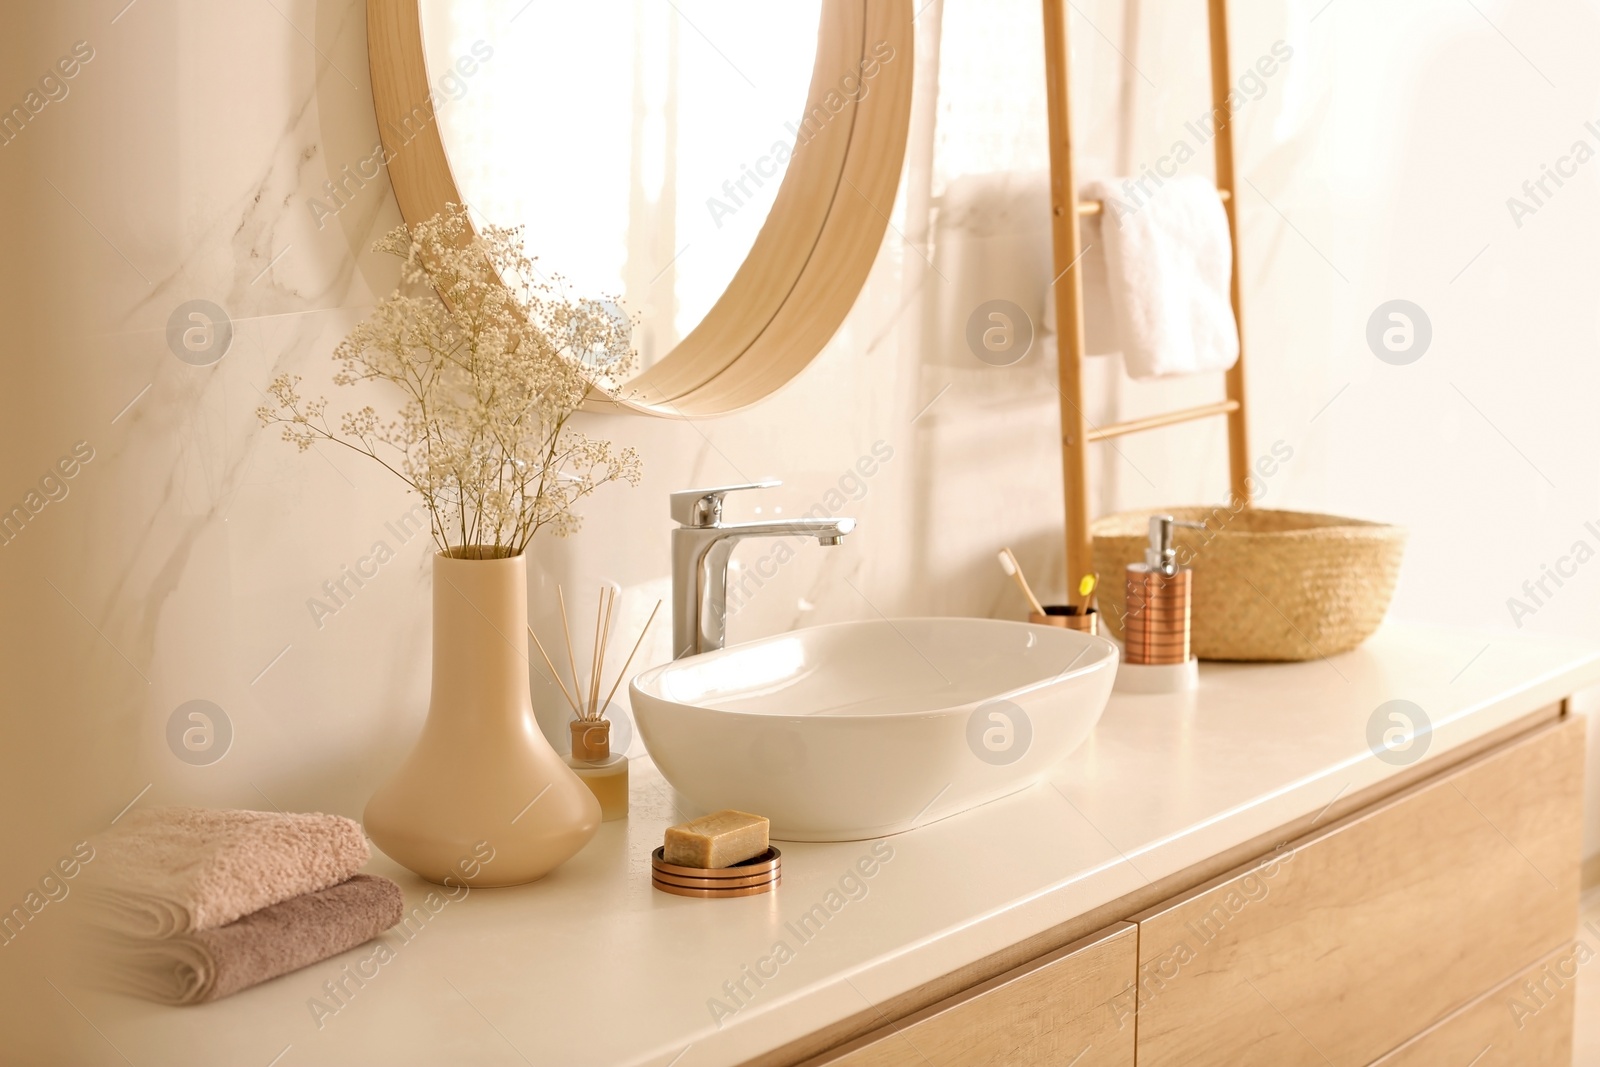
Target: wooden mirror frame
813, 253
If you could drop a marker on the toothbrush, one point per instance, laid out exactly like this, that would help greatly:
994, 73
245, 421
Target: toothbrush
1086, 591
1008, 563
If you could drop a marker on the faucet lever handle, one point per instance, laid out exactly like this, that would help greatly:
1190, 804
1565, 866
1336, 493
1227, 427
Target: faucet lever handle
703, 507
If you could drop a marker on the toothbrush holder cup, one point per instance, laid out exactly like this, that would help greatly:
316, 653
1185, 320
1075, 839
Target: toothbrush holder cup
1068, 617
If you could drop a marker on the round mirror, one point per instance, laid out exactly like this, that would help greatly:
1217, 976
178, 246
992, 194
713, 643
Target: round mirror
724, 171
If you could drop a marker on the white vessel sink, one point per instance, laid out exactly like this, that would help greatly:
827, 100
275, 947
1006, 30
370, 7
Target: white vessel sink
860, 729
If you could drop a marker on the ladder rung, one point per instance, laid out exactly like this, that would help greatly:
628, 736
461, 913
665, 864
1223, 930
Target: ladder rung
1155, 422
1094, 207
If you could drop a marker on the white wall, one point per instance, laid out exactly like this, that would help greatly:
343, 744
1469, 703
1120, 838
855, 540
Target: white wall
1378, 162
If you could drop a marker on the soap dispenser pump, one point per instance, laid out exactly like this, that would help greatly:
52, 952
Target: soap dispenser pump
1156, 624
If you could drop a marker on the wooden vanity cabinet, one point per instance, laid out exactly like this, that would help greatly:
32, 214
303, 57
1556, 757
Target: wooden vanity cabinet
1525, 1022
1048, 1013
1431, 926
1347, 943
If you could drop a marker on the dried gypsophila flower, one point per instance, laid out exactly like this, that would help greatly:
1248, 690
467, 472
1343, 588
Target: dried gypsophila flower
491, 375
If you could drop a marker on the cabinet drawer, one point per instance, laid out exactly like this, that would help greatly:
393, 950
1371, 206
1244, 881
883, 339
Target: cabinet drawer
1345, 944
1048, 1013
1526, 1021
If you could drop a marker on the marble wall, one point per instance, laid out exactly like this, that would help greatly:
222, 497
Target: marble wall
1380, 162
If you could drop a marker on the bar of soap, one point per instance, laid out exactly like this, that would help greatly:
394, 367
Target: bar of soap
720, 839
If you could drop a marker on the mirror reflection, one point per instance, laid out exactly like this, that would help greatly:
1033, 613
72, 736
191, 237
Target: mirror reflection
641, 144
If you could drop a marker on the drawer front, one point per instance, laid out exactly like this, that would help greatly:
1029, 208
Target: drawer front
1527, 1021
1049, 1013
1347, 943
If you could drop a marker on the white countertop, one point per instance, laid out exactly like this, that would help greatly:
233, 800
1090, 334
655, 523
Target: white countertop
593, 967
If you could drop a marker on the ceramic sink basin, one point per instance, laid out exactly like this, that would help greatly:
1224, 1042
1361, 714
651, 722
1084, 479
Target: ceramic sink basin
860, 729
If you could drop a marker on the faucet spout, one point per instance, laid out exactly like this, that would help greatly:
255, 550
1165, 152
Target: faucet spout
818, 528
701, 546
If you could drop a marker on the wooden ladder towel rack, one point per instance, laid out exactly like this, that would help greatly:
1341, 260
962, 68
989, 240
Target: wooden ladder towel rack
1066, 240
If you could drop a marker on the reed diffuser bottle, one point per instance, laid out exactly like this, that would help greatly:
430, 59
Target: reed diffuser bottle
604, 772
591, 759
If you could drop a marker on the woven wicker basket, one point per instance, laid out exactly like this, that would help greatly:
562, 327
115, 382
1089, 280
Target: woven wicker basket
1268, 585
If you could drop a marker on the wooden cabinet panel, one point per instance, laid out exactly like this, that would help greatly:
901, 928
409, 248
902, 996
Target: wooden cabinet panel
1337, 949
1050, 1013
1526, 1021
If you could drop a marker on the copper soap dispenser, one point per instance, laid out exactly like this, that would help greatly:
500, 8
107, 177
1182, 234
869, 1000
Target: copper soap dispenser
1156, 626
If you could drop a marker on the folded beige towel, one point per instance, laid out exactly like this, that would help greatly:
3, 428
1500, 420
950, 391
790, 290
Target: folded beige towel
215, 963
170, 871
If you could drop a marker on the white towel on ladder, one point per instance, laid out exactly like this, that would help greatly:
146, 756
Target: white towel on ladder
1168, 263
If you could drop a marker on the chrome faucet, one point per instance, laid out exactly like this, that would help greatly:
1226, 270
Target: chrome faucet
701, 545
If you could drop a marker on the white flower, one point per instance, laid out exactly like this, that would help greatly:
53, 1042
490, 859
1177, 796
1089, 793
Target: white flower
489, 381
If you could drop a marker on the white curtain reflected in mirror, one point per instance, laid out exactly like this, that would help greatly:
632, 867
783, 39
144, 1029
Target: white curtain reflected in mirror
639, 143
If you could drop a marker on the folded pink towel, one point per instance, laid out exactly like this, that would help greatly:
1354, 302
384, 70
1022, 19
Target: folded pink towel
168, 871
194, 968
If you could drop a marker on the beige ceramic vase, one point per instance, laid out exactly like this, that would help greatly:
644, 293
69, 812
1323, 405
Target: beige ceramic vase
482, 799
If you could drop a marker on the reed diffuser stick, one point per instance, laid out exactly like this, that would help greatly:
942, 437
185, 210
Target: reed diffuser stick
572, 661
553, 672
597, 654
605, 645
627, 662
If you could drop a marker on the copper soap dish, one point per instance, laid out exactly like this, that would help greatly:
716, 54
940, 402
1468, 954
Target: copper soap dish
756, 875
